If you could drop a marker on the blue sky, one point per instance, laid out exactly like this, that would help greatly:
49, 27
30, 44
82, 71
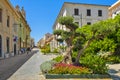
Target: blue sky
41, 14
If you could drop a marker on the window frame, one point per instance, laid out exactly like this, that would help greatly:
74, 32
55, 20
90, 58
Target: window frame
8, 44
76, 11
89, 23
100, 13
8, 21
88, 12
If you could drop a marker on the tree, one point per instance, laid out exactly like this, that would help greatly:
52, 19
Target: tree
81, 38
67, 35
96, 31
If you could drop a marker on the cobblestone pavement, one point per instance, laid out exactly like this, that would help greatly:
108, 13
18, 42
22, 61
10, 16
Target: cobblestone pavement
10, 65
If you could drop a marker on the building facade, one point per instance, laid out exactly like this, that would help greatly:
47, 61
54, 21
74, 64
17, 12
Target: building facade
83, 14
45, 40
24, 29
114, 9
32, 42
10, 24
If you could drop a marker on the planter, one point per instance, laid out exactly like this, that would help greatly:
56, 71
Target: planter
81, 76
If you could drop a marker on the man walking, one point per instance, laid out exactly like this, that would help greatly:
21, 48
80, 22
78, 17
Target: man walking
28, 50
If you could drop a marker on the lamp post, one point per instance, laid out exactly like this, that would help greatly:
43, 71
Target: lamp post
81, 19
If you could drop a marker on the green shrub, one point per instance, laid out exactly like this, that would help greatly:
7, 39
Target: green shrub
74, 55
55, 50
113, 59
46, 49
107, 45
94, 62
47, 66
62, 68
58, 59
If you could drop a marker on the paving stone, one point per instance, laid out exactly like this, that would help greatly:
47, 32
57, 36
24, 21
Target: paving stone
31, 69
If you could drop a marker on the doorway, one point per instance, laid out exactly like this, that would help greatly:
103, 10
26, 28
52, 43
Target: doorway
0, 46
14, 49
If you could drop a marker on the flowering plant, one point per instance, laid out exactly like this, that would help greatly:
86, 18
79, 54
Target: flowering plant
62, 68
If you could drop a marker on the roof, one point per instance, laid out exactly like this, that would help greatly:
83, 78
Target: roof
61, 10
116, 3
87, 4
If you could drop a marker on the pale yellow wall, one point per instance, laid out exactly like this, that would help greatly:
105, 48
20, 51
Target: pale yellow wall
15, 18
5, 31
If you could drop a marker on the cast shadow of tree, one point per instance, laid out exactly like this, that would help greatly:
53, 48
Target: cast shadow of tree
113, 73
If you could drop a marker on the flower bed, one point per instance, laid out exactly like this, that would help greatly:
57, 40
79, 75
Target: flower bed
61, 68
66, 71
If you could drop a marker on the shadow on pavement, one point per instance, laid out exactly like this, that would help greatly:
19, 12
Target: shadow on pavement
113, 74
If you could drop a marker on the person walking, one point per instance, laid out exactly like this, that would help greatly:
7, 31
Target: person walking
28, 50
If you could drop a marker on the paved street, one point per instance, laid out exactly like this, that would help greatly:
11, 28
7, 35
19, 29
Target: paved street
10, 65
31, 69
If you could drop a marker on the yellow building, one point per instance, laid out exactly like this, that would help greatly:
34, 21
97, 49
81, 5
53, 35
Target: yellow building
14, 29
24, 29
114, 9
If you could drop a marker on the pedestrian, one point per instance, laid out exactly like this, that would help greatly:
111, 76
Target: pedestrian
28, 50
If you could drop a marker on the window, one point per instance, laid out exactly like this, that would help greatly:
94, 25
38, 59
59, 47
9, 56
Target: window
7, 44
100, 13
88, 12
0, 15
76, 11
77, 23
8, 21
88, 23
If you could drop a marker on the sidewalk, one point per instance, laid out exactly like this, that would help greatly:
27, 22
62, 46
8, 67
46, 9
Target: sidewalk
114, 71
10, 65
31, 69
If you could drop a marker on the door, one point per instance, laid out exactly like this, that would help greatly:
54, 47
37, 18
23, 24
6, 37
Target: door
15, 49
0, 46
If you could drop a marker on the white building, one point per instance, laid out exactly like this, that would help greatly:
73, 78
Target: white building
83, 14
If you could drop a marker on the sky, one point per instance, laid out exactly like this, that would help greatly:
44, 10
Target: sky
41, 14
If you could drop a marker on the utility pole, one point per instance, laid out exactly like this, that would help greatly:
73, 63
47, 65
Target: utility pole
81, 19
